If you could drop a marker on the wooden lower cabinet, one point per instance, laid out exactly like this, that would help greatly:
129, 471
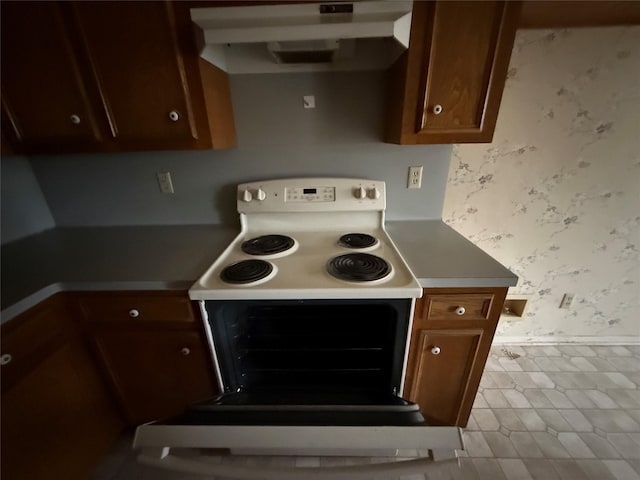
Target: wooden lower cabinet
78, 367
155, 374
152, 350
58, 417
443, 363
450, 342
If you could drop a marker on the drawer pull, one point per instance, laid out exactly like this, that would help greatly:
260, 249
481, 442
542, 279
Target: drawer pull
5, 359
75, 119
174, 116
437, 109
185, 351
460, 311
436, 350
133, 313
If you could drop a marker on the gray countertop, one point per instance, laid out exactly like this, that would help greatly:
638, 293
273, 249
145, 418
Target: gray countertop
441, 257
106, 258
174, 257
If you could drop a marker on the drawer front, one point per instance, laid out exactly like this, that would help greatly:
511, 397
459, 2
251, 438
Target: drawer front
137, 308
468, 306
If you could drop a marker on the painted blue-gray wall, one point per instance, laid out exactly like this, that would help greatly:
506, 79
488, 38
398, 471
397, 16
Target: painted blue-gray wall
24, 210
277, 137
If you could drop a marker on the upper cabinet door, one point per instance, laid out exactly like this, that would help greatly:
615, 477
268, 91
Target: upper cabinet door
134, 55
452, 78
45, 101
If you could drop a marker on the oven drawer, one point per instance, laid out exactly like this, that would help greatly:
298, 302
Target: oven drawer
137, 308
467, 306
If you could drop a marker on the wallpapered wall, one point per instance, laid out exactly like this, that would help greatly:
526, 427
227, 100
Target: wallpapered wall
556, 196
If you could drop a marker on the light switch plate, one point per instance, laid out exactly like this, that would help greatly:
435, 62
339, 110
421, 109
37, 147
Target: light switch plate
309, 101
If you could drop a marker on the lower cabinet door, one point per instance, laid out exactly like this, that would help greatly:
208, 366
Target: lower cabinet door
156, 374
443, 361
58, 420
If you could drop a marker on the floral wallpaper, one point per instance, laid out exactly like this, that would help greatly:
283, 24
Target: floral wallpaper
556, 196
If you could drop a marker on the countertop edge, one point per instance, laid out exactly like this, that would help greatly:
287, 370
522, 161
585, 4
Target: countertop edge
468, 282
38, 296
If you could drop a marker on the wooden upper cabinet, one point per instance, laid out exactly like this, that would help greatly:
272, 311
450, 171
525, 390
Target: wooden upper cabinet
448, 85
45, 102
578, 13
135, 59
108, 76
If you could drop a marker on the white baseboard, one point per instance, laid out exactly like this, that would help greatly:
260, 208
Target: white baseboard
559, 340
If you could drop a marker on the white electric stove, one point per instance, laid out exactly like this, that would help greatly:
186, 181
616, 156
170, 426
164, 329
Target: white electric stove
309, 238
308, 313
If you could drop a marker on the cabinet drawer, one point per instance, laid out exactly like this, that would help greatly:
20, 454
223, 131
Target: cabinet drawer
468, 306
137, 308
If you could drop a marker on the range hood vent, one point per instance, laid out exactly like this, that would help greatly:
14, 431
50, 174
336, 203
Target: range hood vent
366, 35
304, 51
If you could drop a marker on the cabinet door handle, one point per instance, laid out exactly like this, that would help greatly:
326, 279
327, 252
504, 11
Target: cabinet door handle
460, 311
174, 116
437, 109
185, 351
436, 350
5, 359
134, 313
75, 119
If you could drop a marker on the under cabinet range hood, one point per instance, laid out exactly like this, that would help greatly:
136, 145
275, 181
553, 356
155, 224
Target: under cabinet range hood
310, 37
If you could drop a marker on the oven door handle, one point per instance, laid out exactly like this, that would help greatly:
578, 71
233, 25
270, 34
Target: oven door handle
161, 457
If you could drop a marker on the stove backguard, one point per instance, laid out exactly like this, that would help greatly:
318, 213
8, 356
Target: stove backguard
310, 345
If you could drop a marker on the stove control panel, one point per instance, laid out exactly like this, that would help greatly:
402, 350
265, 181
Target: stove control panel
311, 195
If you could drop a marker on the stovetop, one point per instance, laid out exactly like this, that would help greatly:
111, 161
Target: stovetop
314, 233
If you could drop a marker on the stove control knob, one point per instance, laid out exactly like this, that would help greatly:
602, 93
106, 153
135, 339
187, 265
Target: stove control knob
261, 194
373, 193
247, 196
360, 193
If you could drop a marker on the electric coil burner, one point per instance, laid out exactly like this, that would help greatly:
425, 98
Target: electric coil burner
246, 271
358, 267
357, 240
268, 245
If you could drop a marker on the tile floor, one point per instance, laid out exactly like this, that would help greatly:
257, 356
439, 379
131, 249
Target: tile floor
542, 412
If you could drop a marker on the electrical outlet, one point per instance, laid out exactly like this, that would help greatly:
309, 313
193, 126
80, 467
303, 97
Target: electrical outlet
415, 177
567, 298
164, 180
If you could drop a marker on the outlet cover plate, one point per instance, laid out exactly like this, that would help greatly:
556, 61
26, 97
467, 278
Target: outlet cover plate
415, 177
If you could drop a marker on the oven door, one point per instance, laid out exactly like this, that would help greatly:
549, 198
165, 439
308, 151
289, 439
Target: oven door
303, 377
374, 429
